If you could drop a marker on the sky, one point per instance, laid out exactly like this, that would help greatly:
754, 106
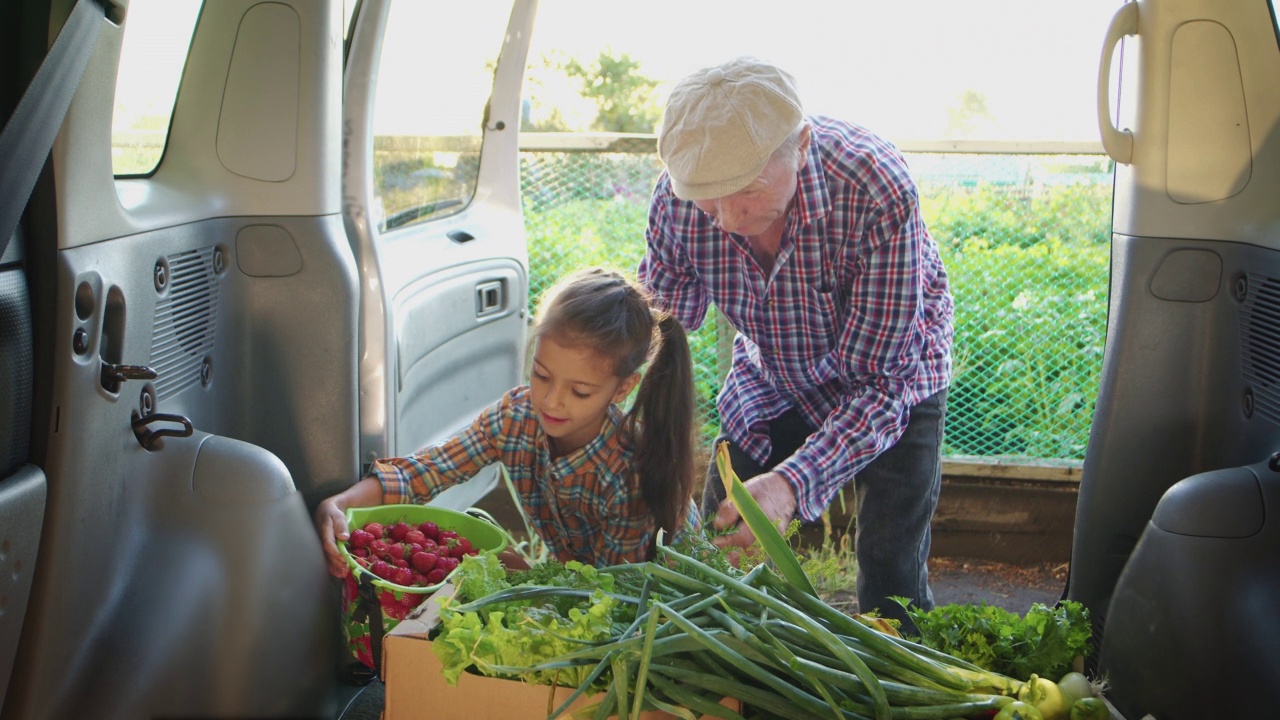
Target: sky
895, 66
898, 67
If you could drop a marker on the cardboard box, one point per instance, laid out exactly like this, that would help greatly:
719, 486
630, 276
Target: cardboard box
416, 689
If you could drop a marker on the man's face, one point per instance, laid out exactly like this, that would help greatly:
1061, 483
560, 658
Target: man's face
754, 209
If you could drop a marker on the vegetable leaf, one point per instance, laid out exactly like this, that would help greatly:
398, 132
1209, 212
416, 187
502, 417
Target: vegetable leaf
1045, 641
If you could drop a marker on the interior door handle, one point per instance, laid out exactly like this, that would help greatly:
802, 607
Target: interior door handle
490, 298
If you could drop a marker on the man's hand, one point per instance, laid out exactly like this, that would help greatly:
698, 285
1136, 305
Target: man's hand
775, 497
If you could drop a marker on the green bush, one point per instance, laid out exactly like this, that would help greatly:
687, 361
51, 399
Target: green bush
1028, 272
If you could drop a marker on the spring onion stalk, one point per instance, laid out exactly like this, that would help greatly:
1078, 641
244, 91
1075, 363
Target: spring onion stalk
775, 546
646, 656
785, 611
686, 635
948, 675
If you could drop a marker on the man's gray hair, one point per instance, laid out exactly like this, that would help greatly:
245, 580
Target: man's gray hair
790, 148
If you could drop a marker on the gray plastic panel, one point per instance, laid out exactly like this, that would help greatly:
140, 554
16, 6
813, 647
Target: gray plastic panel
198, 562
1192, 629
455, 354
1221, 504
1177, 396
22, 497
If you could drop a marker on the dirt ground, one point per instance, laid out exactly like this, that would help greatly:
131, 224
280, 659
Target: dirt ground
962, 580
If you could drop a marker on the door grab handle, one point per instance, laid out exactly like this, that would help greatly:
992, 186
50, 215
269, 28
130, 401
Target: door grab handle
1118, 143
150, 439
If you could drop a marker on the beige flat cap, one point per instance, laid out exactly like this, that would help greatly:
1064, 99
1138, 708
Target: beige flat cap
721, 125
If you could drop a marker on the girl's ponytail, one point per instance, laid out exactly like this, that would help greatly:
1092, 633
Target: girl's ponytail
661, 420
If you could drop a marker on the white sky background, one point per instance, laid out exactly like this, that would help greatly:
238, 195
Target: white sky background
894, 66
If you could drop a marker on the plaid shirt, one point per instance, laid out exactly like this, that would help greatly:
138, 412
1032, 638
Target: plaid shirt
586, 505
853, 325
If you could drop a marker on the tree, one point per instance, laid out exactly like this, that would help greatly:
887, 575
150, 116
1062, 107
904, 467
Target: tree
625, 98
970, 116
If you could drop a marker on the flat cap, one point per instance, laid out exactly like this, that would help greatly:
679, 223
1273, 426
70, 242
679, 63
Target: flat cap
722, 123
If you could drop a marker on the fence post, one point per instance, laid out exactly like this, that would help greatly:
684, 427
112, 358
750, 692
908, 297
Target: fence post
724, 345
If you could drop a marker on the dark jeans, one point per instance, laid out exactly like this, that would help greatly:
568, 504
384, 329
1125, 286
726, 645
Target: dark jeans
896, 496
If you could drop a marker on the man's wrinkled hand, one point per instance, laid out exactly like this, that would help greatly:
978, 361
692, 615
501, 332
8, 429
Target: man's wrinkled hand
775, 497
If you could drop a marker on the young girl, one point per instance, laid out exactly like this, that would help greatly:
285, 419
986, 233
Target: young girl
594, 482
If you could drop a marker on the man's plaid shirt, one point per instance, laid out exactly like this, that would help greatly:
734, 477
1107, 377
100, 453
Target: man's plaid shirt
586, 505
852, 327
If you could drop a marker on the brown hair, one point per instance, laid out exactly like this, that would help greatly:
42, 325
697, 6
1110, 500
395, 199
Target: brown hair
604, 311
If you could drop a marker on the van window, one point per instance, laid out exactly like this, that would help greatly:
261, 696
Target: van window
157, 34
434, 79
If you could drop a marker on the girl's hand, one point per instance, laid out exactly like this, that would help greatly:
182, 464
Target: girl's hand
331, 525
331, 520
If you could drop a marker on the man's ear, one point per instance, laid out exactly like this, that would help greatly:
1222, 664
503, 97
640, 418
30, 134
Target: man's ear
805, 138
626, 387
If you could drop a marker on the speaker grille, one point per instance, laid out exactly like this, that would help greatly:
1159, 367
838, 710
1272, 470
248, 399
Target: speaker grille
1260, 333
185, 320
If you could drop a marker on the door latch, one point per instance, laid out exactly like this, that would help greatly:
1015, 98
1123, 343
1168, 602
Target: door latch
113, 375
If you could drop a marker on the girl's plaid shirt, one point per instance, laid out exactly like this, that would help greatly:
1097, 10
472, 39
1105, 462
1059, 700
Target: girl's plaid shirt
586, 505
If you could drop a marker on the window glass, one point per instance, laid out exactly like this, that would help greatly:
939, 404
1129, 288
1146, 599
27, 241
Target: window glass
434, 80
157, 34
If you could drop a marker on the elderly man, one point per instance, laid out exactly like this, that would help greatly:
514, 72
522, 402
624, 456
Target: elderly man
806, 233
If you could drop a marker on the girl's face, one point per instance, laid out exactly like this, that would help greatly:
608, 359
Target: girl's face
572, 388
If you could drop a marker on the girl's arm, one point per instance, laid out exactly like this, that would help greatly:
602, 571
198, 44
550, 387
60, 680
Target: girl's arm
331, 519
420, 477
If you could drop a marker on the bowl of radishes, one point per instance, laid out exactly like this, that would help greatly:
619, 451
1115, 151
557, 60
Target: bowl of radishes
400, 554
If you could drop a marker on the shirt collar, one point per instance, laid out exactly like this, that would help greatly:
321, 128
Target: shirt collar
812, 199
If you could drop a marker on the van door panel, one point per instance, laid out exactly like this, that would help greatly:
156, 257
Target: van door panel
459, 333
433, 208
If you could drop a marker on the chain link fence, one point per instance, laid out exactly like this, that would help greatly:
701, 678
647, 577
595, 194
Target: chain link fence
1025, 239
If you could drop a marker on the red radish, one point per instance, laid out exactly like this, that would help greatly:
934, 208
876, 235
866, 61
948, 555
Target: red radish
423, 562
360, 538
